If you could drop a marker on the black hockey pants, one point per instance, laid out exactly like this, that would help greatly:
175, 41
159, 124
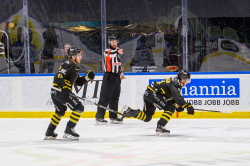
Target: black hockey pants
153, 100
61, 100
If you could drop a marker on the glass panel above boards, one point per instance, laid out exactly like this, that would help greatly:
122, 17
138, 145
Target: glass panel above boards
11, 37
219, 35
57, 25
147, 31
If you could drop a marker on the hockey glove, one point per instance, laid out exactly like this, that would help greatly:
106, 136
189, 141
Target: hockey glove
90, 75
190, 109
179, 109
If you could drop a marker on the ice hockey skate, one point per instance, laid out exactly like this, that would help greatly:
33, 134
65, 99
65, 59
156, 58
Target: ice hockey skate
70, 133
101, 121
50, 135
116, 121
128, 112
160, 130
122, 111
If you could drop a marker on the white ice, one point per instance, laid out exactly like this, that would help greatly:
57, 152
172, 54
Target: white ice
197, 142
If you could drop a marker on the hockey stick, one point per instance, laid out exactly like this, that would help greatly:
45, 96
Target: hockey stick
214, 111
98, 104
6, 68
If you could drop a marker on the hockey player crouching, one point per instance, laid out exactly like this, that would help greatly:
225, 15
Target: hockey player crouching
60, 94
164, 95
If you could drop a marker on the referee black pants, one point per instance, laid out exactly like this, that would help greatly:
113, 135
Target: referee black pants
110, 93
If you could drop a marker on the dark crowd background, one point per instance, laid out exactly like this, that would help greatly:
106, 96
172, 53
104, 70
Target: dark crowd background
149, 31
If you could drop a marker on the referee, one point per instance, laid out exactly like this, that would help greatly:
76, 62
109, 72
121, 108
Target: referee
111, 84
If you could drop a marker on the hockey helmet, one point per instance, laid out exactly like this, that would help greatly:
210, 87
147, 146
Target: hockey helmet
184, 75
73, 51
112, 37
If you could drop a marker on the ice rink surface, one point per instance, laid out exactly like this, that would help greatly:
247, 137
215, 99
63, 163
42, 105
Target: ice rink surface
197, 142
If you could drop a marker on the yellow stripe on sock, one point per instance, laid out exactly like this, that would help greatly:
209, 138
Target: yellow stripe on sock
77, 113
56, 120
163, 117
166, 115
168, 112
73, 120
76, 117
53, 123
139, 115
59, 117
142, 116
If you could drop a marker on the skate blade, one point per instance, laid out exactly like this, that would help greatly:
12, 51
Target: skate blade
49, 138
68, 136
162, 134
122, 111
100, 123
116, 122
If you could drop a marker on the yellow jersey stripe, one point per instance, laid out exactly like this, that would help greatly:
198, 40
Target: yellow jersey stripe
67, 82
150, 88
163, 92
67, 87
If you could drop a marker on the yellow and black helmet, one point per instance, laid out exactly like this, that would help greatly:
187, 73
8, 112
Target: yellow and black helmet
73, 51
183, 74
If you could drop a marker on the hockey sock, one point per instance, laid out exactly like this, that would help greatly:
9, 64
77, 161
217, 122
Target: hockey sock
165, 118
54, 121
141, 115
74, 118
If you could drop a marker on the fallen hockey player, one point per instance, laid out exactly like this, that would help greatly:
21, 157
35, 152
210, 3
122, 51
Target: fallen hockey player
165, 95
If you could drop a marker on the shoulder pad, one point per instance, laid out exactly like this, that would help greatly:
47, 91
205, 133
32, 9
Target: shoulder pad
66, 61
175, 82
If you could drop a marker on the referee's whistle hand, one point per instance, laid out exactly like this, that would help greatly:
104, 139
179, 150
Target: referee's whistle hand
120, 51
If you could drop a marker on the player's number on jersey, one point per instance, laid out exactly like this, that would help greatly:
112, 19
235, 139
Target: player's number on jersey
60, 75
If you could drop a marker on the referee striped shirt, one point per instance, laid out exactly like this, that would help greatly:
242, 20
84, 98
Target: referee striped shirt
112, 61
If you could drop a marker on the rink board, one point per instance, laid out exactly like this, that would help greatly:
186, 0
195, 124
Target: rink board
28, 96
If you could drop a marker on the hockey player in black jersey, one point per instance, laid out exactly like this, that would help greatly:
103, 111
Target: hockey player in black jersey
60, 94
164, 95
